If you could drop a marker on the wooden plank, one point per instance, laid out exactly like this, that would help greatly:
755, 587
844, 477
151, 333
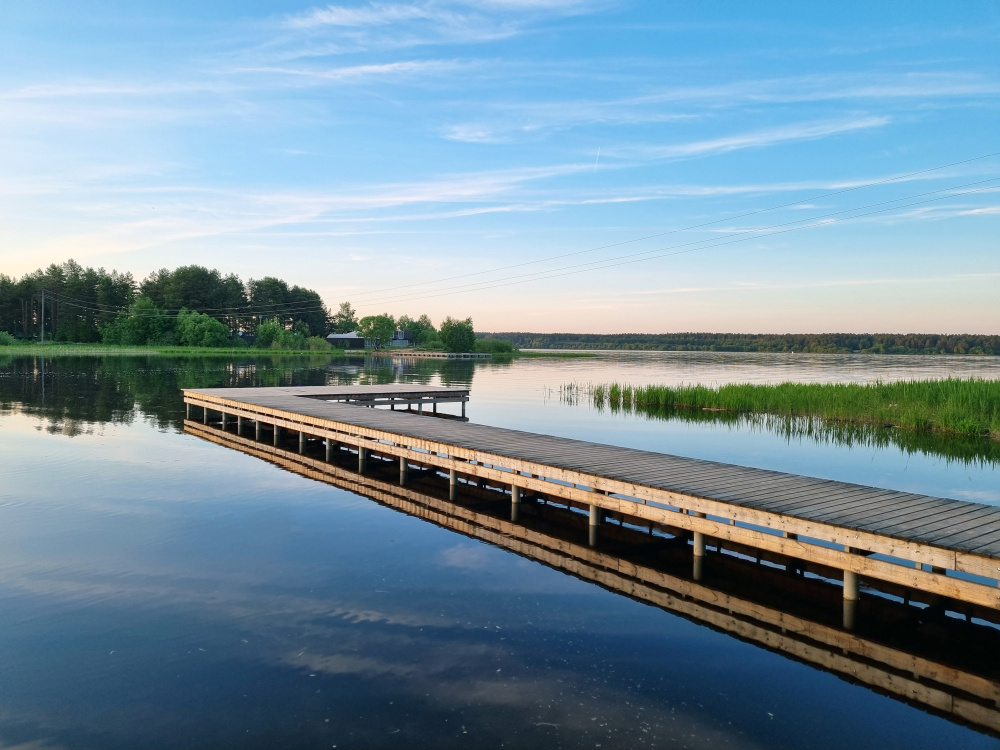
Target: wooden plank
880, 517
835, 502
947, 514
968, 519
975, 539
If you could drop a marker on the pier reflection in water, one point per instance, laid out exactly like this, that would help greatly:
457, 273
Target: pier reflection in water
918, 648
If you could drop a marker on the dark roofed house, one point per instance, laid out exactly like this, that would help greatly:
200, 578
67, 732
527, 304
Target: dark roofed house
402, 338
346, 340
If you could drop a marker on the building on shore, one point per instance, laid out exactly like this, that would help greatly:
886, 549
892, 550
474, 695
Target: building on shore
350, 340
401, 338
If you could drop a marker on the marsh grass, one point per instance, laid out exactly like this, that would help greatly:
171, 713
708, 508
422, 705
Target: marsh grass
970, 408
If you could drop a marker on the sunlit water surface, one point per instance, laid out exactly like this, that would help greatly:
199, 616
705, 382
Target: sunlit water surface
160, 591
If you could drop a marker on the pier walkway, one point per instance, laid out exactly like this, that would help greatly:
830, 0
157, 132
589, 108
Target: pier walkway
943, 547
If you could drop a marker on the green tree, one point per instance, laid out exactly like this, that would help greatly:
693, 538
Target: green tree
458, 335
142, 325
306, 306
377, 329
269, 332
272, 334
422, 328
345, 319
197, 329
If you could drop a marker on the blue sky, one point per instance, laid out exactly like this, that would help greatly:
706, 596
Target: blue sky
441, 156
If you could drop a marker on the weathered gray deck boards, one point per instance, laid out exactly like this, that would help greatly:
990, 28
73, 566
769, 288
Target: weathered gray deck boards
900, 515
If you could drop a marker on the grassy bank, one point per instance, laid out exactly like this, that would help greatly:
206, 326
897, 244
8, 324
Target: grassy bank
958, 407
86, 350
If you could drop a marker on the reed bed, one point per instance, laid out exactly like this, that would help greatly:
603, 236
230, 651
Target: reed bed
960, 407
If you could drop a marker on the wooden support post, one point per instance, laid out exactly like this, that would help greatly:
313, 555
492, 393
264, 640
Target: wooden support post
302, 442
699, 539
362, 459
850, 581
463, 407
328, 445
257, 426
850, 613
420, 407
277, 435
223, 421
204, 415
515, 502
595, 521
239, 425
402, 469
187, 410
698, 566
435, 407
850, 585
452, 484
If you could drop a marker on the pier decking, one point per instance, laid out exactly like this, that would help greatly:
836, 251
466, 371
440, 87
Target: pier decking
943, 547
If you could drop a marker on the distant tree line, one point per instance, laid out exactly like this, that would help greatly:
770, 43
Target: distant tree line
194, 306
453, 335
875, 343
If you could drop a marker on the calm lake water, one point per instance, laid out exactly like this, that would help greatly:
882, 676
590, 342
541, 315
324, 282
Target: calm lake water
161, 591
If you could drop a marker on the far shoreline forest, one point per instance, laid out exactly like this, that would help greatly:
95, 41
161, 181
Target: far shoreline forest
805, 343
196, 307
193, 306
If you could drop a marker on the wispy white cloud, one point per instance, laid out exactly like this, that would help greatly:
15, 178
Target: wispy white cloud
455, 13
471, 133
828, 87
362, 72
337, 29
181, 214
854, 282
512, 120
802, 131
374, 14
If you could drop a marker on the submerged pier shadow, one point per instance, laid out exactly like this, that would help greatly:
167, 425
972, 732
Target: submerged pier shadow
915, 647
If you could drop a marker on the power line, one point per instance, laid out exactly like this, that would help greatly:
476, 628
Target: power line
294, 307
720, 243
706, 242
693, 226
817, 221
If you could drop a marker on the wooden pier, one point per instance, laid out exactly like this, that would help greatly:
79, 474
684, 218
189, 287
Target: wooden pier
900, 544
412, 354
933, 661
